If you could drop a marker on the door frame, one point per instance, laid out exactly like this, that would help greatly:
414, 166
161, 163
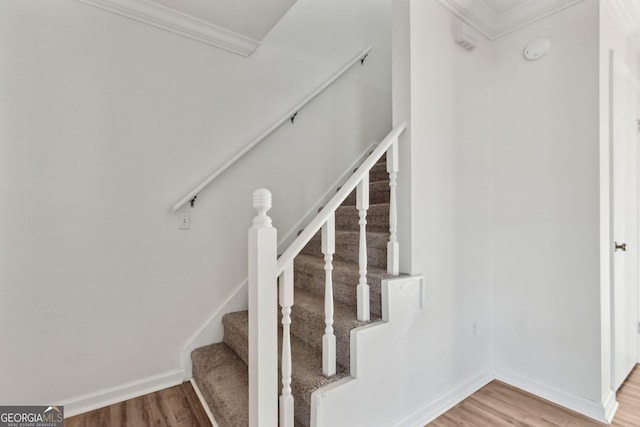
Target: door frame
619, 68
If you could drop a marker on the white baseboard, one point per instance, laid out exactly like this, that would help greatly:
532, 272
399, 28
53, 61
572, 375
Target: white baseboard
109, 396
600, 411
610, 406
448, 400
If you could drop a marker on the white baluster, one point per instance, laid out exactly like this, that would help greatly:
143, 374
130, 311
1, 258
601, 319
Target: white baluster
286, 301
263, 316
393, 257
328, 339
362, 203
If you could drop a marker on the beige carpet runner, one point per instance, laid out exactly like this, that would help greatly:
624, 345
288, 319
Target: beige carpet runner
220, 370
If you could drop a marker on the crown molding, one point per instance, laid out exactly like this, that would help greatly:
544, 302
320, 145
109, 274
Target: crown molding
493, 26
164, 18
627, 16
475, 13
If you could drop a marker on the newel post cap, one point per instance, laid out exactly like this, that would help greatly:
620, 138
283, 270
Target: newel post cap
262, 204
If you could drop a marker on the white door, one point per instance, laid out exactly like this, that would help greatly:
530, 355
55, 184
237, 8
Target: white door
625, 102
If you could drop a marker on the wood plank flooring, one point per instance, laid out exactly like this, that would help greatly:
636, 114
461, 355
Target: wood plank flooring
172, 407
495, 405
498, 404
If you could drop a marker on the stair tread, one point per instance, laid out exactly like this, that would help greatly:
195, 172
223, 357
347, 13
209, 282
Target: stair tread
378, 193
371, 206
222, 377
306, 376
340, 268
380, 185
343, 314
308, 323
347, 247
347, 218
380, 181
374, 234
308, 367
310, 276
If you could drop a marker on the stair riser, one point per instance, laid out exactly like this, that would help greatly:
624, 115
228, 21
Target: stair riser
378, 193
302, 404
379, 172
348, 218
309, 327
348, 249
342, 292
237, 337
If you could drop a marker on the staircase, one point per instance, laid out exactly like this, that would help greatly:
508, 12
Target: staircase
220, 370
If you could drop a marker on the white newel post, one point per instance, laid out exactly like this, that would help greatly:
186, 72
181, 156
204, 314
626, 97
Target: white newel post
328, 339
286, 301
263, 316
362, 204
393, 257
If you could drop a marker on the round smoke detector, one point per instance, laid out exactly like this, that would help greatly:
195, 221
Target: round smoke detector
537, 49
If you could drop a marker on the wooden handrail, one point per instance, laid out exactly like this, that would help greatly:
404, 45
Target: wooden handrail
289, 116
316, 224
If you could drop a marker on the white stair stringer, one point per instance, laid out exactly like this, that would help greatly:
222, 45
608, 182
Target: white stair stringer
376, 354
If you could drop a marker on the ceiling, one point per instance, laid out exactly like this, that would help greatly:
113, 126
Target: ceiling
496, 18
500, 7
236, 26
627, 15
251, 18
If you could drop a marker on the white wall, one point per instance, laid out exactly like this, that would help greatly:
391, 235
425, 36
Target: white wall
546, 209
504, 203
104, 124
449, 150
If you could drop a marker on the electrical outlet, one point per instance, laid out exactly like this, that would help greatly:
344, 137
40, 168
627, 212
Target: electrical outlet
474, 328
185, 220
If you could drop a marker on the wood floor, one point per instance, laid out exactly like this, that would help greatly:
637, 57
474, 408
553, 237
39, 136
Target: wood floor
172, 407
495, 405
629, 399
498, 404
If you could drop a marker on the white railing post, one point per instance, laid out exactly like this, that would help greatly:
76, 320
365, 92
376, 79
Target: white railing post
263, 316
362, 204
286, 301
328, 339
393, 257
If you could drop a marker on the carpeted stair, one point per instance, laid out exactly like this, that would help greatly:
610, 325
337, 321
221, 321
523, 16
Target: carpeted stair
220, 370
